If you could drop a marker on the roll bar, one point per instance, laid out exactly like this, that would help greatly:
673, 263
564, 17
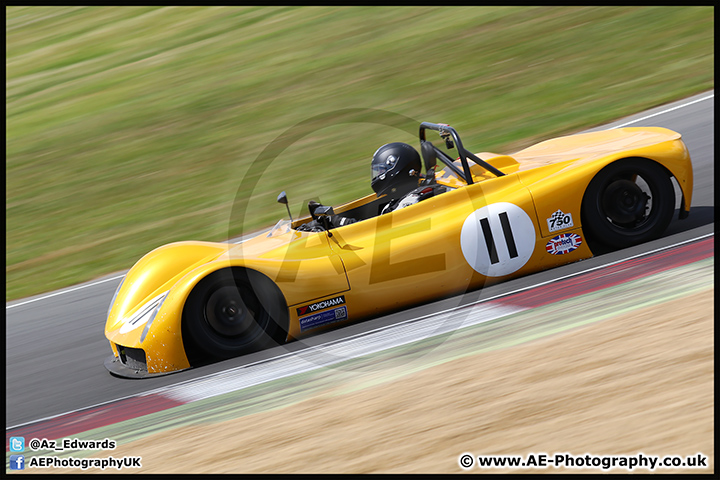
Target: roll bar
445, 132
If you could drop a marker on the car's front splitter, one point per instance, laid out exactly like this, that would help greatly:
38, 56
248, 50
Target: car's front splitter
119, 369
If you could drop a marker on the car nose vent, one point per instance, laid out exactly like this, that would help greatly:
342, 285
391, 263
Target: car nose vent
132, 358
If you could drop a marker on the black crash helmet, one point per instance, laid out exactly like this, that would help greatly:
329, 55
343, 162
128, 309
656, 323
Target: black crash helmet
395, 169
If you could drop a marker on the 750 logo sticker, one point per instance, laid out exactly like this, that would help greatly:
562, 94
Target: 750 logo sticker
559, 221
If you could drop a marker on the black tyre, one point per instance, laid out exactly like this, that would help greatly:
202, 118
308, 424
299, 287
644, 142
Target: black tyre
232, 312
628, 202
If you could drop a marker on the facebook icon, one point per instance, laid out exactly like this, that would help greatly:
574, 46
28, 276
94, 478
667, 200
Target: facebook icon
17, 462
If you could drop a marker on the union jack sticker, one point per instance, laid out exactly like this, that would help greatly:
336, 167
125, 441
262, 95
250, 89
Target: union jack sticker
563, 243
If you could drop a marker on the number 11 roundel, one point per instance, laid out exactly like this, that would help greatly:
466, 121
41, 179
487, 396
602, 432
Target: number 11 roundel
497, 239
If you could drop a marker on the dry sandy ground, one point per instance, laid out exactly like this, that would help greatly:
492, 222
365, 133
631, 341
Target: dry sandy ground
642, 382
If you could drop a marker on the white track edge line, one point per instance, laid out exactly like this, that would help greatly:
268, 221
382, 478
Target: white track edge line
663, 111
60, 292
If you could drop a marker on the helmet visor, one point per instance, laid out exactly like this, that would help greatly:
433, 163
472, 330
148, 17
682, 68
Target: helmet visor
381, 166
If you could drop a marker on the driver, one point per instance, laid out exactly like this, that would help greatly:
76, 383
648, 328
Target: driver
396, 173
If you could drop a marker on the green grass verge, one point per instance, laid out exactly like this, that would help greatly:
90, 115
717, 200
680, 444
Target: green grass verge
131, 127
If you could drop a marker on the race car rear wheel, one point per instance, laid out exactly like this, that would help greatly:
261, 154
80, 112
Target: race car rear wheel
232, 312
628, 202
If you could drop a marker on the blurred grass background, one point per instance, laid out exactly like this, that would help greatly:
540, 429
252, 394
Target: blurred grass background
131, 127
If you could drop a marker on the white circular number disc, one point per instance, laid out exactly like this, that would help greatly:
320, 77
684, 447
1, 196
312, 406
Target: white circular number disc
497, 239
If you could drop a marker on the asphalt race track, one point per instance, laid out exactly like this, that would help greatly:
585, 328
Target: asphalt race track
56, 347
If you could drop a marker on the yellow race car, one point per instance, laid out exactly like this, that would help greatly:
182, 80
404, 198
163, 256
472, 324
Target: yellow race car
483, 218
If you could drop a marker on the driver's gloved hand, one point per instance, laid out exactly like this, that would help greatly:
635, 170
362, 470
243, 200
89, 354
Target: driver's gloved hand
317, 226
338, 221
311, 226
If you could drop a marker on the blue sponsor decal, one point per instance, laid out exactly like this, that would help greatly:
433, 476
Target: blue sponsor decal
323, 318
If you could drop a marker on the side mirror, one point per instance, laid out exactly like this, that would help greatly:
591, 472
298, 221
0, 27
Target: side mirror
282, 198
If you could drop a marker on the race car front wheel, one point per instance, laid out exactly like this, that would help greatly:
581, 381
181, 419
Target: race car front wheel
232, 312
630, 201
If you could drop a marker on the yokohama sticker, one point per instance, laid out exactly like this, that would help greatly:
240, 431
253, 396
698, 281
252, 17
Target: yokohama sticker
563, 243
314, 307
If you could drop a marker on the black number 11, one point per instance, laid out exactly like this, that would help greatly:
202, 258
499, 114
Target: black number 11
490, 241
